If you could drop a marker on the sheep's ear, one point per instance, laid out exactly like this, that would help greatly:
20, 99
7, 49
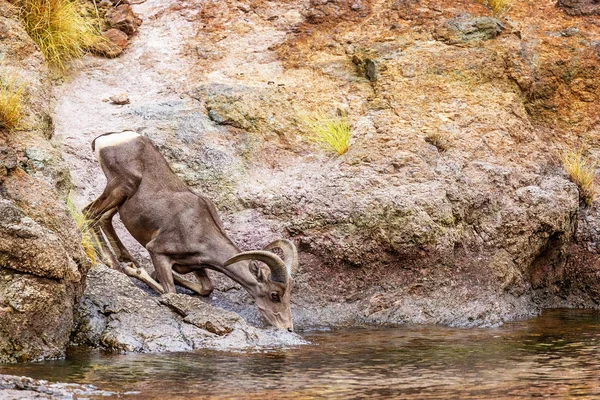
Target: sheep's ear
262, 273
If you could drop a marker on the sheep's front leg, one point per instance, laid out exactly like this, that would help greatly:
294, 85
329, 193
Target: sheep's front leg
133, 269
119, 248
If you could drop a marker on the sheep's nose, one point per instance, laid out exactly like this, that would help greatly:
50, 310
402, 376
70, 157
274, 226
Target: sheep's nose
290, 329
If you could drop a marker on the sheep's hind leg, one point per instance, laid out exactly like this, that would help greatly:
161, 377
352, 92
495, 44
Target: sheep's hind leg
162, 266
207, 286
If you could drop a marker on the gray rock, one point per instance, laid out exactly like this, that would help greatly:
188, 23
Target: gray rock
40, 280
200, 314
466, 28
23, 388
117, 315
366, 66
568, 32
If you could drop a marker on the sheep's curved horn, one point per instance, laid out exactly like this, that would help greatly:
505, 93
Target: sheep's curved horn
276, 264
290, 254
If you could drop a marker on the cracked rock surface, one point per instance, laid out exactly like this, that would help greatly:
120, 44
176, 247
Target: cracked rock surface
117, 315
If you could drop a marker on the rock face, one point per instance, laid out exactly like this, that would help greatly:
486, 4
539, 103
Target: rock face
42, 265
117, 315
394, 230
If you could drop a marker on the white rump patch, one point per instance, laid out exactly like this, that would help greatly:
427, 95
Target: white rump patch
113, 139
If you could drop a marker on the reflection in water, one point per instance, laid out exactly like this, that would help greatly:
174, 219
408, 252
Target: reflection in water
556, 355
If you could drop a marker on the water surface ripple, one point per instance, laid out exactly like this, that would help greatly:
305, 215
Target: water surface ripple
556, 356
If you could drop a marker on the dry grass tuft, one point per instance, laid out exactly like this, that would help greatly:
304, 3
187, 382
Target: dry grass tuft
439, 140
89, 242
61, 32
498, 7
582, 172
332, 133
12, 101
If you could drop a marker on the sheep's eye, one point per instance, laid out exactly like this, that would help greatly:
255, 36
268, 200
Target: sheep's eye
275, 297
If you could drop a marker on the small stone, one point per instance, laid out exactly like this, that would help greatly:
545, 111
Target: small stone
113, 45
566, 32
120, 99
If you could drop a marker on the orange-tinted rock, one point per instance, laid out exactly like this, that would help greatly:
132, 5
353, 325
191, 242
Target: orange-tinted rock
123, 19
113, 45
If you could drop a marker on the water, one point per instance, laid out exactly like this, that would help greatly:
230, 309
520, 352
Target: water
556, 355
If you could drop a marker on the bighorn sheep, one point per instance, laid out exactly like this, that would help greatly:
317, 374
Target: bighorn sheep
180, 229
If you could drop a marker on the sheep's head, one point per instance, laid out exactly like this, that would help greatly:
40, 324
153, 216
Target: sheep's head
273, 287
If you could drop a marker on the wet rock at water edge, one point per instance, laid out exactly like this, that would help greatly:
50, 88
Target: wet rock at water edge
22, 387
117, 315
204, 316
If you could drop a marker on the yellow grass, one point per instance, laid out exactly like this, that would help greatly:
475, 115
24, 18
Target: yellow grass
61, 32
498, 7
332, 133
582, 172
12, 100
88, 237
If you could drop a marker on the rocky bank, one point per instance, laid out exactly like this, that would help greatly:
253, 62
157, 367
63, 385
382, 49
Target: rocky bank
116, 315
42, 264
22, 388
400, 229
